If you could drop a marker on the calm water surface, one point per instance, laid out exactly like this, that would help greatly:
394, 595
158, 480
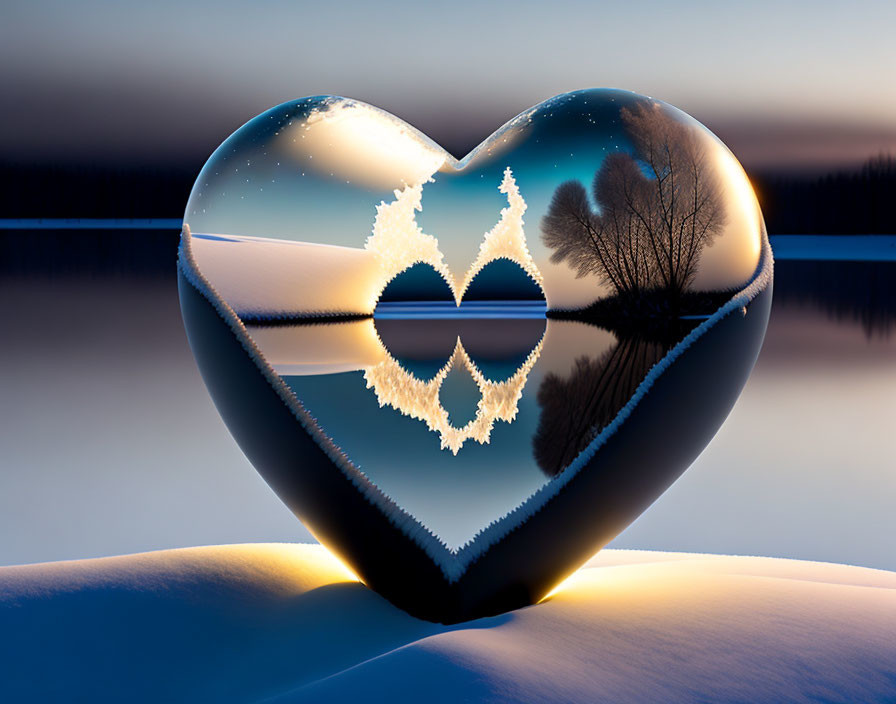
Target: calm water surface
110, 443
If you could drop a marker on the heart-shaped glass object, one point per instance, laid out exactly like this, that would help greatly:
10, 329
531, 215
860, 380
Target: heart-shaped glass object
466, 377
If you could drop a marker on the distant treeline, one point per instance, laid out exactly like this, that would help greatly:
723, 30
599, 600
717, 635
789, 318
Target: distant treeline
54, 253
94, 191
860, 201
844, 202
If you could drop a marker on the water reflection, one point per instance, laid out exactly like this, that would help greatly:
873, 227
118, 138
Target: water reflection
576, 407
817, 378
397, 387
862, 292
492, 408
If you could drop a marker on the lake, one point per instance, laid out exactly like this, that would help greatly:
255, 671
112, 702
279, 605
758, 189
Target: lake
110, 443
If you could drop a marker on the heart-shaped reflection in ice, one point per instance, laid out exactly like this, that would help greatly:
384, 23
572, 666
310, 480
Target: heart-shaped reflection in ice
465, 377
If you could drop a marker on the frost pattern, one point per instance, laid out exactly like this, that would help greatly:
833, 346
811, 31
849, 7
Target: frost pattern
506, 240
397, 388
399, 243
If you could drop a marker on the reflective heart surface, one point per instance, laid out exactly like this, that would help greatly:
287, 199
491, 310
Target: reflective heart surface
466, 377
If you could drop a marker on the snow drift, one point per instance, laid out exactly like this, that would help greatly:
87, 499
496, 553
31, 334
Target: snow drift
288, 623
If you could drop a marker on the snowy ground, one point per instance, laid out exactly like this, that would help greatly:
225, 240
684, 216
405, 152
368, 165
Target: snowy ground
266, 278
287, 623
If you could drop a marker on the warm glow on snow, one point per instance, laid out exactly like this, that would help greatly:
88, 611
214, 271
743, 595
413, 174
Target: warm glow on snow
362, 144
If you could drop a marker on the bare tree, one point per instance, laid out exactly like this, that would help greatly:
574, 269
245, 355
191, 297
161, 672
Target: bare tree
655, 214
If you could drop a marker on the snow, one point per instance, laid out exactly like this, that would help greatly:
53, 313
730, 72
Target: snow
399, 243
270, 278
266, 278
287, 623
506, 240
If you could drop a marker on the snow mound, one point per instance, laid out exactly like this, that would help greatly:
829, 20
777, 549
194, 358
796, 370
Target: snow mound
288, 623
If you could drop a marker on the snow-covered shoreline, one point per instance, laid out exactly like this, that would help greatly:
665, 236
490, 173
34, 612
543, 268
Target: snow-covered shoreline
289, 623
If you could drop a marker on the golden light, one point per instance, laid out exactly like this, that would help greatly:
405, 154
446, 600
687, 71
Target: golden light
362, 144
299, 350
566, 583
742, 199
350, 574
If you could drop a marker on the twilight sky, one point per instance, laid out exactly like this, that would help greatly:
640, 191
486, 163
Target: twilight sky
786, 85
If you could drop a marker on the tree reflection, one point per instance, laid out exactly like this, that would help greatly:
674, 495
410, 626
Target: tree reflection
576, 408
